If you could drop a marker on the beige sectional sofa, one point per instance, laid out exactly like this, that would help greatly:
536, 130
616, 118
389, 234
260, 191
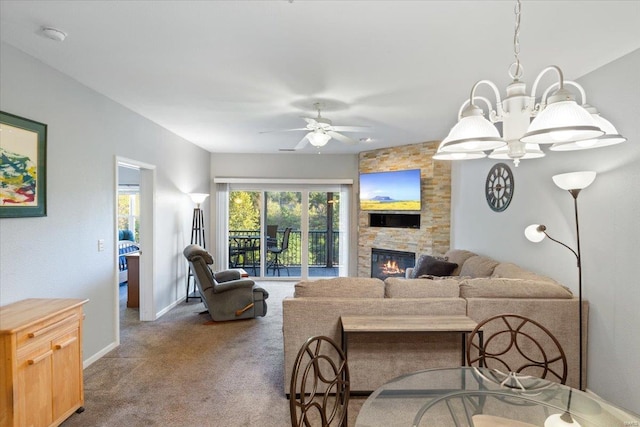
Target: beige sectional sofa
479, 287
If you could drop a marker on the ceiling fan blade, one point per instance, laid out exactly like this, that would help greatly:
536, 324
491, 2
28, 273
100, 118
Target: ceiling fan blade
303, 142
310, 120
342, 138
283, 130
351, 128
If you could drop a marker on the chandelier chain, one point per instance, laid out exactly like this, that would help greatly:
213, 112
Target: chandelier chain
516, 40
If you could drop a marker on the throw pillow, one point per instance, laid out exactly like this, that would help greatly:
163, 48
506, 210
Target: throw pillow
429, 265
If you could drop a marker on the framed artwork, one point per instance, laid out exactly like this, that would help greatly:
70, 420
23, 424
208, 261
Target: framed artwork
23, 167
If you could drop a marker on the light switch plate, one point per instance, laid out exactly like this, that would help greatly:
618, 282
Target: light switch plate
100, 245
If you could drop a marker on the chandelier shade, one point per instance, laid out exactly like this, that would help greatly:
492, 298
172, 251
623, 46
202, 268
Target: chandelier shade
563, 121
610, 137
472, 133
527, 151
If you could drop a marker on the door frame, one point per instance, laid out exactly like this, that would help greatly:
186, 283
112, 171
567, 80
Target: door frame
147, 233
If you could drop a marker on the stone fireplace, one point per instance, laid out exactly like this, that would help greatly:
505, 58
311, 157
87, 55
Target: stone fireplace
431, 237
387, 263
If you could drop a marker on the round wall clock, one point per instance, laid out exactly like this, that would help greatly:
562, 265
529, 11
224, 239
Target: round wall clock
499, 187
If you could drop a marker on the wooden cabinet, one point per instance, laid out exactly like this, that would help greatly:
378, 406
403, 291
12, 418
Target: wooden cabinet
40, 362
133, 280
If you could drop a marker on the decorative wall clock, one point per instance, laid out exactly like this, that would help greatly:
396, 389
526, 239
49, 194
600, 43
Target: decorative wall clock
499, 187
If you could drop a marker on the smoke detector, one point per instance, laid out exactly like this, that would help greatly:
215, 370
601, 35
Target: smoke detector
54, 34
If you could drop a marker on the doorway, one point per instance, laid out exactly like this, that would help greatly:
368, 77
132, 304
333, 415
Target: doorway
137, 182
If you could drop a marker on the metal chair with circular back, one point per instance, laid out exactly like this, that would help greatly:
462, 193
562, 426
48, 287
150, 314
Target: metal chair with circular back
320, 385
518, 345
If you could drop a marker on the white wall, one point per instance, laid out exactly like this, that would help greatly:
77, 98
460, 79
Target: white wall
609, 228
56, 256
289, 165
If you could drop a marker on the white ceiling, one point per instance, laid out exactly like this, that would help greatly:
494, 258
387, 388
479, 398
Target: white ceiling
219, 72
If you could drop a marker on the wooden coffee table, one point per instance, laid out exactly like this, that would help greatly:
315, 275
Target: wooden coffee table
408, 324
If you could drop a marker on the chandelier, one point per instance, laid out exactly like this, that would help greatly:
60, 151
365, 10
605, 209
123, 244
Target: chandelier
558, 120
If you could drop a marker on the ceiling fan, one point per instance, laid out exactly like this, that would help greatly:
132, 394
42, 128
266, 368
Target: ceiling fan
321, 130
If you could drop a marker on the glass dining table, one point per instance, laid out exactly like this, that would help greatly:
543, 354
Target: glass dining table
481, 397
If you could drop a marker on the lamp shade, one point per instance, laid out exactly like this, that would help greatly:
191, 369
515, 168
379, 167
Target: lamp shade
198, 198
534, 233
561, 420
318, 138
472, 133
610, 137
470, 155
563, 120
523, 151
574, 180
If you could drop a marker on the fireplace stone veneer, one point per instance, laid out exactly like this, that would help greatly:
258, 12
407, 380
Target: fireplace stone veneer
388, 263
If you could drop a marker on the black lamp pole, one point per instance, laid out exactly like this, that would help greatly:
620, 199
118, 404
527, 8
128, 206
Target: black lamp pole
542, 229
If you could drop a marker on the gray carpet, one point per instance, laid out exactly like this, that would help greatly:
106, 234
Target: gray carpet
182, 371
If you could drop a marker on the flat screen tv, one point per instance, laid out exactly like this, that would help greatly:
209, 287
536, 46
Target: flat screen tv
390, 191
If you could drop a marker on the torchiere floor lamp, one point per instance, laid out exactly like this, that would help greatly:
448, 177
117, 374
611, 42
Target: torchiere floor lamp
572, 182
197, 234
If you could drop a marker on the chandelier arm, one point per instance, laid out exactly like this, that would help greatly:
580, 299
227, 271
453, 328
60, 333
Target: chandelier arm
543, 72
491, 85
466, 103
583, 94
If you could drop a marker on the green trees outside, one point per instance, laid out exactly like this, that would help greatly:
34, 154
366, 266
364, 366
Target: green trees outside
284, 208
129, 213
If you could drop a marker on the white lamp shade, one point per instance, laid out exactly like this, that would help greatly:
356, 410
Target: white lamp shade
531, 151
318, 138
471, 155
472, 133
532, 233
556, 420
610, 137
198, 198
562, 121
574, 180
441, 155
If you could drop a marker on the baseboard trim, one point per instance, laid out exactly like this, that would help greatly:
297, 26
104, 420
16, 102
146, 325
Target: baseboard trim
168, 308
88, 362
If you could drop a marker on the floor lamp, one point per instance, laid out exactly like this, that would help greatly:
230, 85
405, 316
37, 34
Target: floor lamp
572, 182
197, 233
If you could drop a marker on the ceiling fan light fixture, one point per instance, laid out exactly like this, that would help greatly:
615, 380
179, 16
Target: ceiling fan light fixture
318, 138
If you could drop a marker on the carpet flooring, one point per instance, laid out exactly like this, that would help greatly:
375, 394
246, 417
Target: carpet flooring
181, 370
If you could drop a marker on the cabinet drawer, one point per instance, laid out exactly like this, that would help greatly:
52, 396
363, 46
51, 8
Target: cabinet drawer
47, 329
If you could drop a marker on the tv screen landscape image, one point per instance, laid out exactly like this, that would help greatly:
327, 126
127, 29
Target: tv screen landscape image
390, 191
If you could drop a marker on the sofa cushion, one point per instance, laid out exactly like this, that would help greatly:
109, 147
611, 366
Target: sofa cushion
478, 266
511, 288
459, 256
396, 287
512, 271
341, 287
430, 265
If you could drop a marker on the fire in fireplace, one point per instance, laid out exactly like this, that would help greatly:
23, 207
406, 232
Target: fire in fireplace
387, 263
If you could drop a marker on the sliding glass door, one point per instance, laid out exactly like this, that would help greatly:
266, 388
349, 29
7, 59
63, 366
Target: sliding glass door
287, 232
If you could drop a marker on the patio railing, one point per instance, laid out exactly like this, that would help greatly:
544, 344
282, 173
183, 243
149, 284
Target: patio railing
323, 249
